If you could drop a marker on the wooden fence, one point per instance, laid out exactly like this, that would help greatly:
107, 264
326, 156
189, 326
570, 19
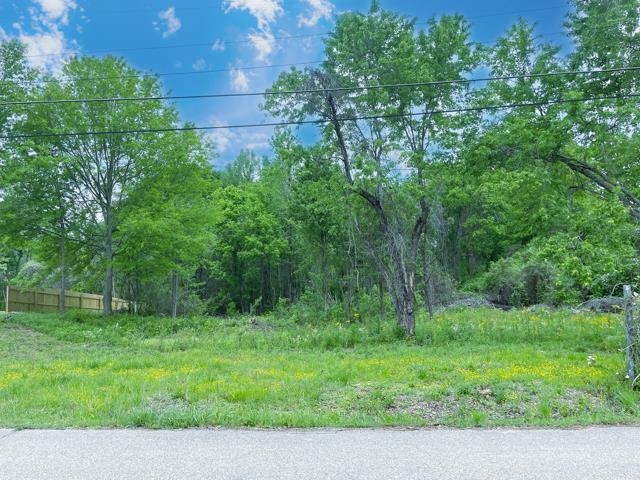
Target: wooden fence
48, 300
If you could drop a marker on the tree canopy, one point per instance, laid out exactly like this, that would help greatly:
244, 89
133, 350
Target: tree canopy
422, 185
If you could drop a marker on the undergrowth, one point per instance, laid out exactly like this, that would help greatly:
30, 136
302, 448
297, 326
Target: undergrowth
463, 368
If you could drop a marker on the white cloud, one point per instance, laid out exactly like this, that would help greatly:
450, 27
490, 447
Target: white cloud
222, 138
56, 10
170, 22
265, 11
228, 142
45, 42
239, 81
319, 9
199, 64
264, 42
46, 49
255, 140
218, 46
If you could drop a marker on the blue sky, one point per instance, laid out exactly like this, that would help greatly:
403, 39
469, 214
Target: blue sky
213, 46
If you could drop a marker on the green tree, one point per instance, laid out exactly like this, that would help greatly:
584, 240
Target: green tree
17, 83
594, 132
398, 131
36, 210
247, 243
555, 155
166, 223
245, 168
319, 208
105, 167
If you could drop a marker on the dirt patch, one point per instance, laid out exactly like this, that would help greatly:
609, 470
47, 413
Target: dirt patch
431, 411
164, 402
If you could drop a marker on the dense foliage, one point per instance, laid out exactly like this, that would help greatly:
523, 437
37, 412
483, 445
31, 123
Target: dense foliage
523, 188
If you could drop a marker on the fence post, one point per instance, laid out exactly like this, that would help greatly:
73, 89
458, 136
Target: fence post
631, 334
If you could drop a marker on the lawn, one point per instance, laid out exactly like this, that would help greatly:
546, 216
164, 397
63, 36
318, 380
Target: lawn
464, 368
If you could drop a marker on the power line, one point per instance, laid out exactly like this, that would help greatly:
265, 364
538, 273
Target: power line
323, 121
170, 74
176, 46
102, 12
332, 89
215, 70
283, 37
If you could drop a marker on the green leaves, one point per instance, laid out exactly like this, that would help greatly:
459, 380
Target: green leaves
167, 218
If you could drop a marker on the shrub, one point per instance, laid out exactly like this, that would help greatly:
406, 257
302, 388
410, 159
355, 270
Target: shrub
561, 269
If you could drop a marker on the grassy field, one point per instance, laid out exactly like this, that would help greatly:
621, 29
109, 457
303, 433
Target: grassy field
464, 368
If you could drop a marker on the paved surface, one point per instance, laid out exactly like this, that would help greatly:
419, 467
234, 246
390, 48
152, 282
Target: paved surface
591, 453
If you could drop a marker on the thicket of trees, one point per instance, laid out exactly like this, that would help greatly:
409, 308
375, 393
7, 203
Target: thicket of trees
420, 183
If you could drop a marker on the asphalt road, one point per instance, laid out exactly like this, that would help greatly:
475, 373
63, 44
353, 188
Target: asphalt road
590, 453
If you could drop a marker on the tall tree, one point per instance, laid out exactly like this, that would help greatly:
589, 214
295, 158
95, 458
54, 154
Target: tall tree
36, 209
247, 243
605, 133
17, 83
103, 154
319, 209
166, 223
573, 138
592, 130
385, 136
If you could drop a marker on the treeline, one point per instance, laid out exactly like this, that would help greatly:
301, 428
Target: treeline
422, 181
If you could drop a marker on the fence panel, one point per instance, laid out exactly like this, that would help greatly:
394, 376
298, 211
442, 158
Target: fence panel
48, 300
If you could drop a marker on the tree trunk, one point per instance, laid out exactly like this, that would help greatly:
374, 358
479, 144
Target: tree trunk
174, 294
63, 279
631, 336
381, 297
428, 279
107, 293
404, 302
325, 281
600, 178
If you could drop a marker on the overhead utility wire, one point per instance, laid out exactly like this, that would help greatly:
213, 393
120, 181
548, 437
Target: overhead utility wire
205, 71
322, 121
102, 12
305, 91
283, 37
175, 46
229, 42
215, 70
169, 74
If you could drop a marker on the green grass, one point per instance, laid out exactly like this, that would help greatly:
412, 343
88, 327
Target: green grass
465, 368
